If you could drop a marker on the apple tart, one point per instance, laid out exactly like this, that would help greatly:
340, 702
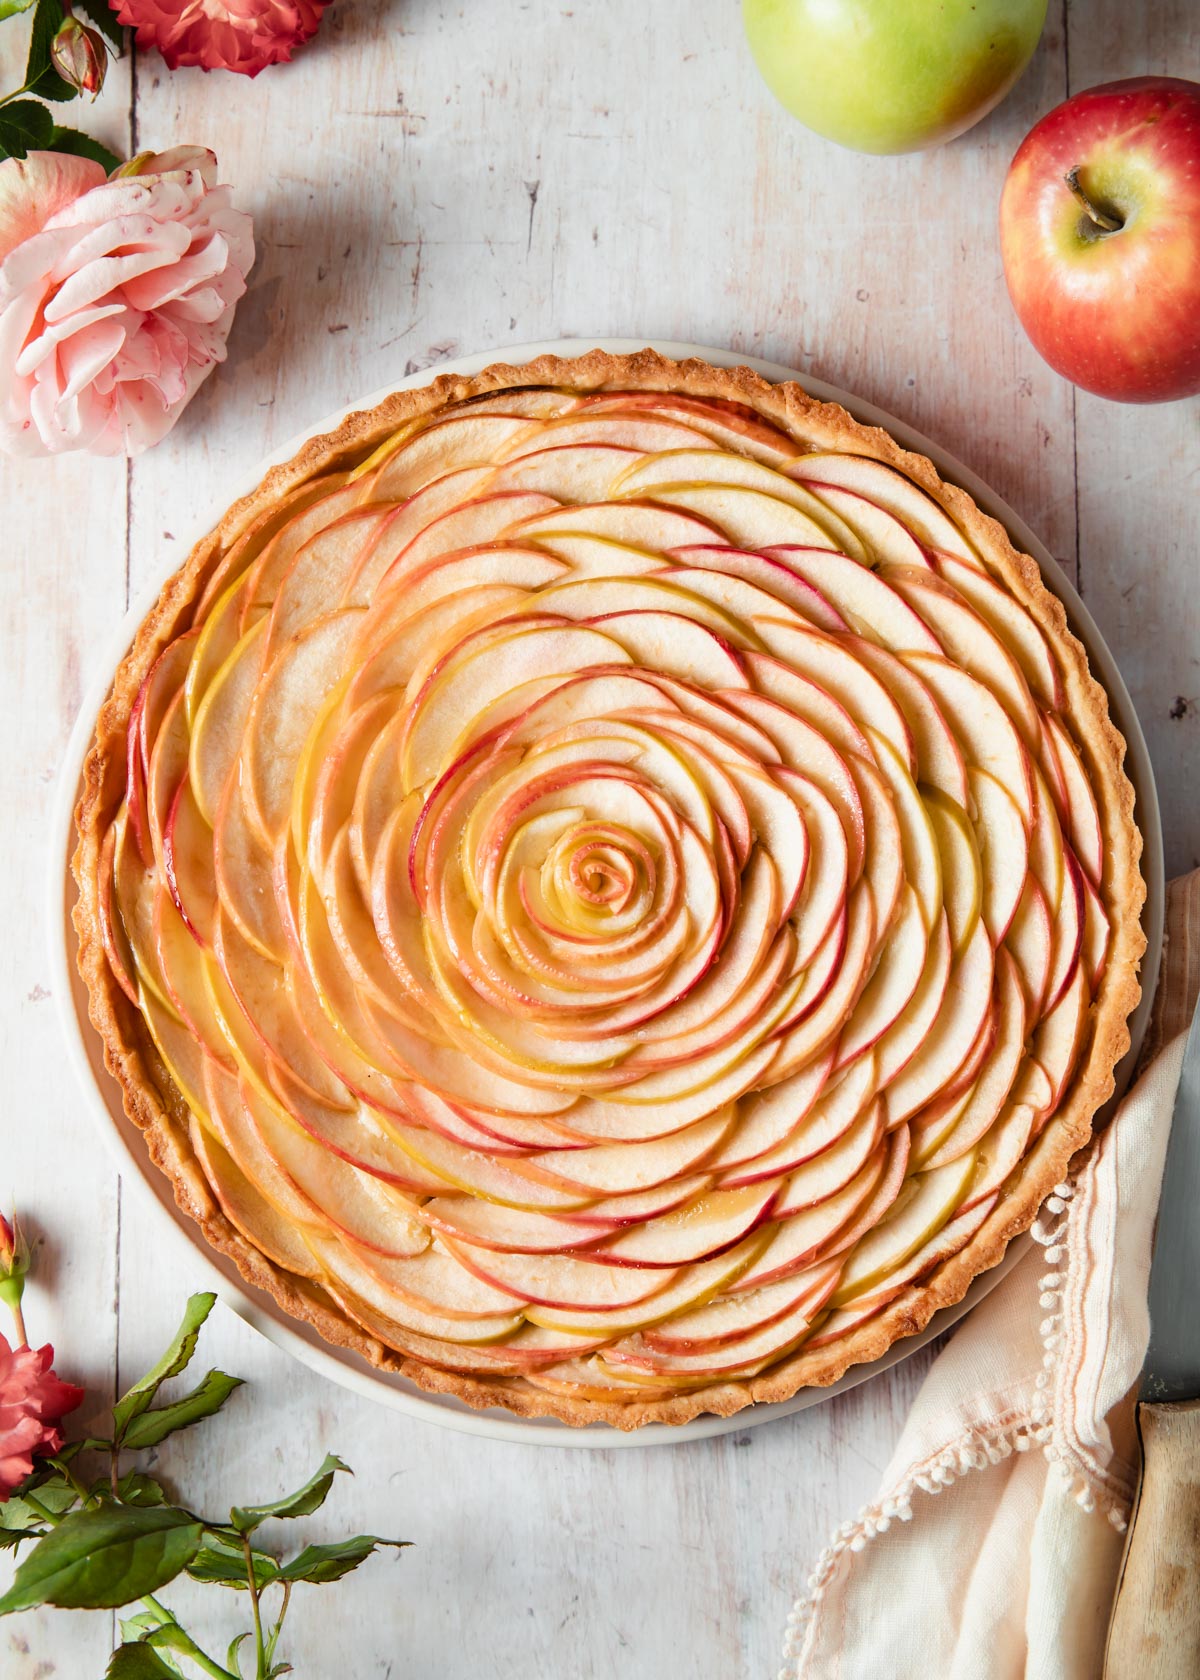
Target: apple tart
609, 888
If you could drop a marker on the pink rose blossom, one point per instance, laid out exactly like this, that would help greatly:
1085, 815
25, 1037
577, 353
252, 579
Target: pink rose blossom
241, 35
33, 1401
116, 296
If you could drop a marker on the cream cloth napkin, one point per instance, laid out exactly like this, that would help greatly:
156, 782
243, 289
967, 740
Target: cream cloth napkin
1023, 1429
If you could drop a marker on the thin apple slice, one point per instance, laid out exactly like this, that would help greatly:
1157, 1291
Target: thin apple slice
246, 1209
748, 518
724, 483
871, 606
819, 1129
645, 433
825, 1174
320, 575
811, 1232
731, 426
188, 863
691, 1287
1000, 1153
890, 490
1096, 937
1060, 1034
1068, 933
774, 574
563, 1280
1004, 851
883, 1197
623, 1169
922, 858
985, 731
575, 472
763, 1346
719, 1325
1082, 814
939, 759
1011, 623
891, 987
219, 721
832, 667
929, 1202
405, 464
966, 1002
767, 1117
644, 525
361, 1293
936, 1142
800, 1043
487, 1225
1030, 941
715, 1221
887, 539
940, 1247
901, 1042
676, 646
962, 866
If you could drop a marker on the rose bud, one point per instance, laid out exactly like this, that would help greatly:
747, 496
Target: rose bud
80, 56
14, 1262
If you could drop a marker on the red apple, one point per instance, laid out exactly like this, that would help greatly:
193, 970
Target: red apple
1100, 233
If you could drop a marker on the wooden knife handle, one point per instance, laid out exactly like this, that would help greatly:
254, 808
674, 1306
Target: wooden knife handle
1155, 1629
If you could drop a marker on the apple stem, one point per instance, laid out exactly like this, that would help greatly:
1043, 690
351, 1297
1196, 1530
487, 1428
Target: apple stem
1105, 222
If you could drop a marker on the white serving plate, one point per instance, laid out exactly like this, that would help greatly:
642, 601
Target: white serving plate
259, 1309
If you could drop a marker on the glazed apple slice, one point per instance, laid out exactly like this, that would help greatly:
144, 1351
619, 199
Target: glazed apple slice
947, 1044
734, 428
831, 1117
721, 1324
941, 1134
572, 472
246, 1209
827, 1173
322, 572
487, 1225
891, 987
366, 1296
890, 490
1082, 812
887, 539
763, 1345
1030, 941
563, 1280
922, 858
188, 864
833, 668
984, 729
947, 1242
712, 1223
961, 866
643, 525
799, 1240
401, 467
863, 598
646, 433
939, 759
1015, 628
219, 722
774, 574
800, 1043
1060, 1034
1068, 933
1000, 1153
906, 1036
692, 1286
1004, 849
929, 1201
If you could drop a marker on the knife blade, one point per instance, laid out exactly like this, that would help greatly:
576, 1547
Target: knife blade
1154, 1633
1172, 1368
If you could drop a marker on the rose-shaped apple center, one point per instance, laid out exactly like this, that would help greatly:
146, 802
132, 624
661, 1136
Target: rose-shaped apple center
599, 876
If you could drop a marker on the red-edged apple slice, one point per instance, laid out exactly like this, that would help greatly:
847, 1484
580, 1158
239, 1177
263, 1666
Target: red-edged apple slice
725, 483
488, 1176
832, 1327
1030, 940
183, 966
732, 426
882, 1198
940, 762
827, 879
1082, 814
616, 1212
320, 576
1068, 933
811, 1232
716, 1327
1000, 1153
223, 1104
647, 433
1096, 936
800, 697
765, 1118
487, 1225
270, 561
832, 667
645, 525
475, 568
402, 466
884, 858
963, 1015
800, 1043
188, 864
481, 672
570, 472
240, 864
945, 1130
890, 490
830, 1119
563, 1280
825, 1174
692, 1286
286, 704
715, 1221
623, 1169
948, 1241
888, 540
763, 1346
962, 867
1003, 848
773, 574
869, 605
466, 522
1060, 1035
1046, 845
361, 1292
1011, 623
676, 646
112, 927
901, 1042
985, 731
166, 772
971, 642
215, 641
265, 1228
219, 722
922, 858
928, 1203
891, 987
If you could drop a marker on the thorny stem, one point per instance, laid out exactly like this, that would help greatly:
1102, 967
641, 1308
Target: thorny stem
199, 1657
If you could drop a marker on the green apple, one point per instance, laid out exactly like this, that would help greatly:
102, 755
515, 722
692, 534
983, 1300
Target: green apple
892, 75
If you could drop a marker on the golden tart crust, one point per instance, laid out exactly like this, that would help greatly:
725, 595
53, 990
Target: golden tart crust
155, 1105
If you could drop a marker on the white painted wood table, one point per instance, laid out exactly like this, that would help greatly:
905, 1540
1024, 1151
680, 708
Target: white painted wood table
431, 179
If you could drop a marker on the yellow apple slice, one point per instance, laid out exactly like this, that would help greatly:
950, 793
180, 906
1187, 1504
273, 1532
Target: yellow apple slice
219, 720
962, 867
1011, 623
946, 1045
691, 1287
929, 1201
241, 1203
830, 1118
825, 1174
891, 491
720, 1324
402, 466
985, 731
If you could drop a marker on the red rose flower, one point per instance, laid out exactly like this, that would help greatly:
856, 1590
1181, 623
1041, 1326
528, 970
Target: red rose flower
33, 1401
240, 35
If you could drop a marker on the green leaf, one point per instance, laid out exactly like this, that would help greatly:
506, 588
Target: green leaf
155, 1425
233, 1657
25, 126
55, 1496
41, 78
176, 1359
10, 8
134, 1627
139, 1662
82, 145
332, 1561
221, 1563
309, 1498
102, 15
101, 1559
136, 1488
11, 1538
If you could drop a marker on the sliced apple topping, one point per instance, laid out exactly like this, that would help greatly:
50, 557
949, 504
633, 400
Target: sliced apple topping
615, 888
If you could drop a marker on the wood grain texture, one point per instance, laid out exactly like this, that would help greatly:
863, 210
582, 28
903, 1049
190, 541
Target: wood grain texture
430, 179
1155, 1629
